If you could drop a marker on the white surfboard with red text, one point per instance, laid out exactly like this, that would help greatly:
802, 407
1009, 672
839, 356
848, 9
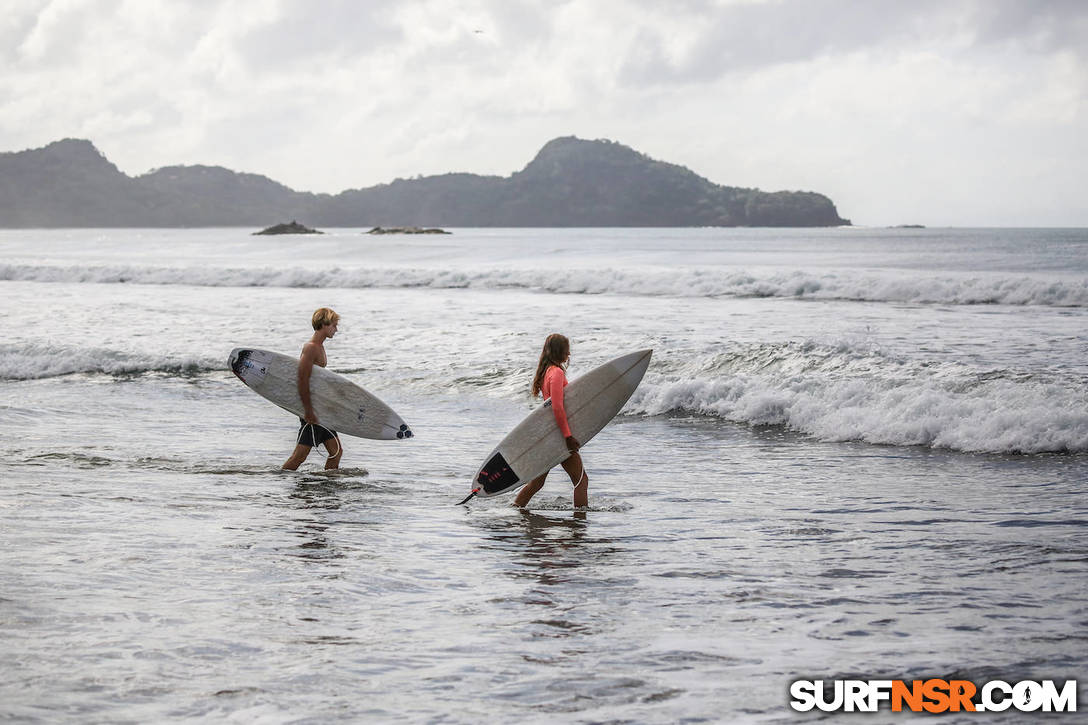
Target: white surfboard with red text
536, 445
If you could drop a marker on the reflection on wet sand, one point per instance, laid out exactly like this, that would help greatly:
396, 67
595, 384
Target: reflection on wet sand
547, 548
311, 502
315, 496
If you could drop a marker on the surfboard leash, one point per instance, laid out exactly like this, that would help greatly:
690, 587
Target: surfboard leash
313, 436
466, 499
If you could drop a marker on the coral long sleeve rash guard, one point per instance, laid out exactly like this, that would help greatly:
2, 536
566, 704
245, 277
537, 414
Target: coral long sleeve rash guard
554, 382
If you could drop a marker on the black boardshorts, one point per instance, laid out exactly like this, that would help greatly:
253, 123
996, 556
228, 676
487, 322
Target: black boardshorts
314, 435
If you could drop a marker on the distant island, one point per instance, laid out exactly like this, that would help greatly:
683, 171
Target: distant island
292, 228
406, 230
570, 183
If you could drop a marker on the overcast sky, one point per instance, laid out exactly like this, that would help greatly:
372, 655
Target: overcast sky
941, 112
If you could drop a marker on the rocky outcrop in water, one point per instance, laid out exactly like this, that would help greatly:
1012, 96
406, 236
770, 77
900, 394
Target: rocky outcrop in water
292, 228
406, 230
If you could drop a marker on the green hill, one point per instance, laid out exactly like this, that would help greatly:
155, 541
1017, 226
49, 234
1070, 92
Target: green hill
570, 182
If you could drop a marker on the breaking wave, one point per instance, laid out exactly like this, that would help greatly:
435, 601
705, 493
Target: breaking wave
868, 286
35, 361
843, 394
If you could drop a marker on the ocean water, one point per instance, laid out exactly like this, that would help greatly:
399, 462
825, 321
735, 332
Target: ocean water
856, 453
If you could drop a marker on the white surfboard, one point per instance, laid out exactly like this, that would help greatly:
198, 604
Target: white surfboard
536, 445
340, 404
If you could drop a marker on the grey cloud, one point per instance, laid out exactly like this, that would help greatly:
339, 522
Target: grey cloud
335, 28
49, 35
15, 26
1043, 26
744, 37
310, 37
58, 35
350, 29
508, 27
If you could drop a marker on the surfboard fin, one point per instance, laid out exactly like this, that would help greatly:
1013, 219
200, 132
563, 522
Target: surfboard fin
466, 499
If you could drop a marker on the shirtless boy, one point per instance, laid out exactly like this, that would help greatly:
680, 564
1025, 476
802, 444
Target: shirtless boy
311, 433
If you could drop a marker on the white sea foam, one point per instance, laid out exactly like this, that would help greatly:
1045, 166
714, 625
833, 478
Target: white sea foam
861, 285
840, 395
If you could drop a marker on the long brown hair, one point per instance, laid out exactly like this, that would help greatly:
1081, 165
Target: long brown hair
556, 351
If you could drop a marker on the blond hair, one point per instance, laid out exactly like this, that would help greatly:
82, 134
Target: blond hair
324, 316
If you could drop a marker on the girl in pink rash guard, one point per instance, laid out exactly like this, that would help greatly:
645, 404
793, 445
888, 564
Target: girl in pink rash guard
550, 379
